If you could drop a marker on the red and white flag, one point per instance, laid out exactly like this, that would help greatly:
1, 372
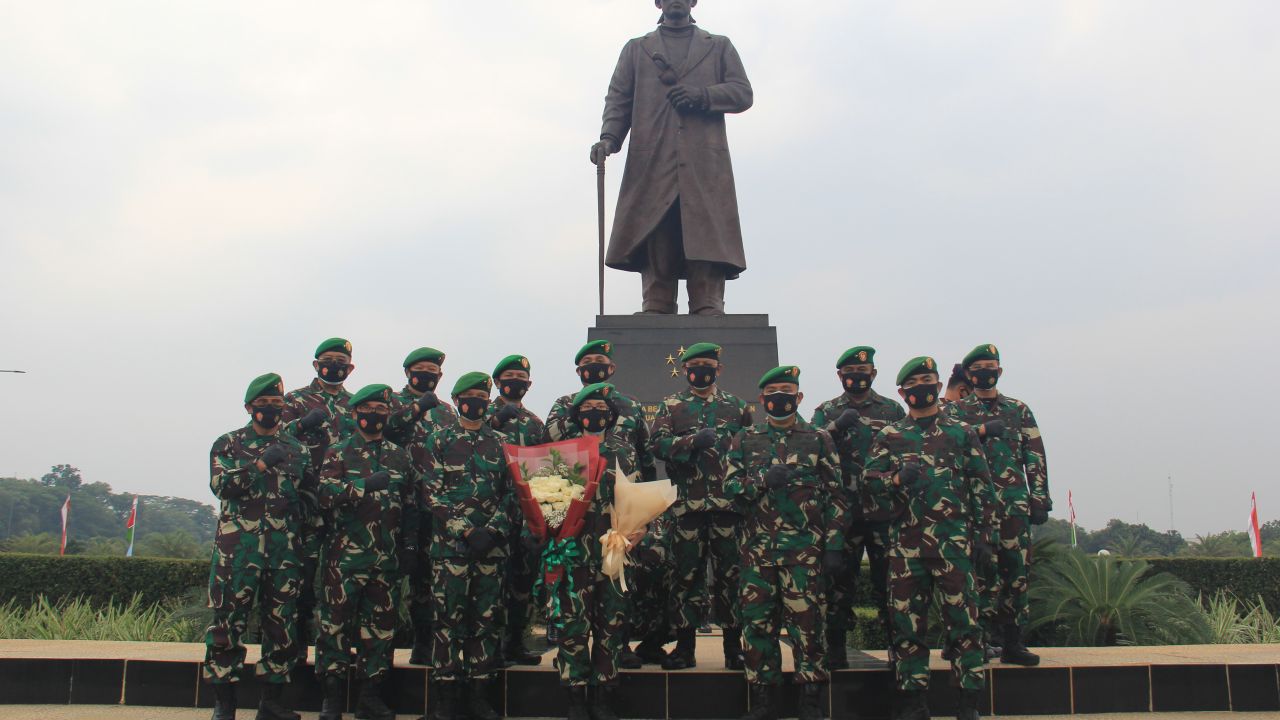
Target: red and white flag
130, 525
66, 510
1255, 533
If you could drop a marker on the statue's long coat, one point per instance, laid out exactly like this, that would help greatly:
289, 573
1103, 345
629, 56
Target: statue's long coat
674, 154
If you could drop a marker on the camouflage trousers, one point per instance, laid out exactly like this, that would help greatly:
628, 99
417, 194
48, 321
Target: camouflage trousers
778, 596
1002, 583
467, 598
595, 623
912, 582
649, 591
696, 538
357, 611
233, 591
516, 608
421, 599
861, 538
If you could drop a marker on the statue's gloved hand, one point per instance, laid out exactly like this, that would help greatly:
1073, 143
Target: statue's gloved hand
602, 149
687, 98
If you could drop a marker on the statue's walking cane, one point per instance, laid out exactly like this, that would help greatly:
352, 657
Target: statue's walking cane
600, 218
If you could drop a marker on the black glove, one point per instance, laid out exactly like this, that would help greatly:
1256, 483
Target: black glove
847, 419
687, 98
313, 420
703, 439
481, 541
602, 149
377, 481
912, 476
1039, 516
832, 562
982, 553
506, 413
992, 429
776, 477
408, 561
274, 455
424, 404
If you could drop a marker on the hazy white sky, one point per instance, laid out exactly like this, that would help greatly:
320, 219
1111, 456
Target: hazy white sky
193, 194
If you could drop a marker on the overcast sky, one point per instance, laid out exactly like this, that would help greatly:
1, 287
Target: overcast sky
195, 193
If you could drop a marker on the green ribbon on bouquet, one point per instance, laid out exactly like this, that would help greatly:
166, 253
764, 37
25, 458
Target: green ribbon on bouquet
559, 555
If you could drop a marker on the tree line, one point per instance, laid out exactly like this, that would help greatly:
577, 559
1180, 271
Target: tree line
1139, 540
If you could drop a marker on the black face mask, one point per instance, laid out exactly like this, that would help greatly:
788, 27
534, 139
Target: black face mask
513, 389
780, 405
371, 422
423, 380
333, 373
984, 379
701, 376
921, 396
267, 416
856, 382
596, 420
472, 408
595, 372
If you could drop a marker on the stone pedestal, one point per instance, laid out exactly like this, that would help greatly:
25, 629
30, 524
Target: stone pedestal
647, 350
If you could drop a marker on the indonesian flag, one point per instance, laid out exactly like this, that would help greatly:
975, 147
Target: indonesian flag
1255, 534
66, 510
1071, 506
129, 525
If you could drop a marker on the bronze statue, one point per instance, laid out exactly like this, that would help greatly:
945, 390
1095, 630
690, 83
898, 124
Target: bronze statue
677, 214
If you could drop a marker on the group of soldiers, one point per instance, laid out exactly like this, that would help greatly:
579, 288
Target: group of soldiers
337, 507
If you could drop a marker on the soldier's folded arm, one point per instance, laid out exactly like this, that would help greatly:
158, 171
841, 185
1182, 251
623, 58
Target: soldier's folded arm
667, 446
334, 490
984, 505
231, 477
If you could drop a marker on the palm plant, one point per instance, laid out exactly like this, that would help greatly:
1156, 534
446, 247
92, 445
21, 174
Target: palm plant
1104, 601
1215, 545
1129, 544
35, 544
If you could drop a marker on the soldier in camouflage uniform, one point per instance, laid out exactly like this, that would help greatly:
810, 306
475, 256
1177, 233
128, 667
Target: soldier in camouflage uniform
691, 433
416, 413
318, 415
469, 490
508, 415
256, 472
930, 471
785, 477
853, 419
368, 487
1015, 452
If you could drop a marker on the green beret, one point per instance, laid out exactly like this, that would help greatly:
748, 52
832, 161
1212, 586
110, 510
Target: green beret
917, 366
783, 374
511, 362
334, 344
860, 355
376, 392
597, 391
595, 347
701, 350
424, 354
472, 381
269, 384
982, 352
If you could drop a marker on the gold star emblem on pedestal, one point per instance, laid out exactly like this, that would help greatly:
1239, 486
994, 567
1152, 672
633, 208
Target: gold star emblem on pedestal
671, 360
680, 352
675, 372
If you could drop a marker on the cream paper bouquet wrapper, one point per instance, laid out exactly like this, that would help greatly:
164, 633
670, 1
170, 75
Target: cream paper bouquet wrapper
635, 505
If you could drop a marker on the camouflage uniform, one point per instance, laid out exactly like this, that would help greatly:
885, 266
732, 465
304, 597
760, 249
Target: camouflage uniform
256, 553
785, 532
705, 521
361, 556
868, 526
631, 424
468, 486
929, 540
1020, 477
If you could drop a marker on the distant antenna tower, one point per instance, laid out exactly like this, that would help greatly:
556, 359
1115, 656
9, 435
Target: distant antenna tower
1171, 527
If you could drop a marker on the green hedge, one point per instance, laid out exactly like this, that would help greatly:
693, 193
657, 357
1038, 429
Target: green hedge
100, 580
1246, 578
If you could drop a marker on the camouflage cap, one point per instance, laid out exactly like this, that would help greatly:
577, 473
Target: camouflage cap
511, 362
982, 352
376, 392
860, 355
783, 374
917, 366
269, 384
595, 391
334, 344
472, 381
424, 354
595, 347
701, 350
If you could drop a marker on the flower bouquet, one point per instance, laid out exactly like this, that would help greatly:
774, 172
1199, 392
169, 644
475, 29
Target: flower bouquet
635, 505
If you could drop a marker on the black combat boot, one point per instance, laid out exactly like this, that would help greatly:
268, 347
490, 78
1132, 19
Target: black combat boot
967, 709
602, 699
628, 660
270, 707
478, 707
331, 709
810, 702
733, 649
764, 705
517, 653
1014, 652
837, 656
910, 705
683, 657
369, 704
650, 651
224, 701
422, 642
446, 695
578, 703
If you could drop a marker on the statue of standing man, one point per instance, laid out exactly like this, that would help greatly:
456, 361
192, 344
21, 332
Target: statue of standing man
677, 214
